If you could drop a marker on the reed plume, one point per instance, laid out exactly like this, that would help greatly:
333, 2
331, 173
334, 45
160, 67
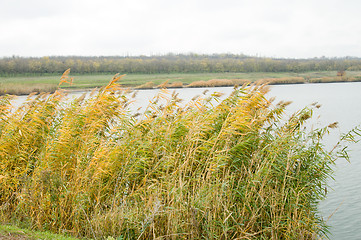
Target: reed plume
92, 168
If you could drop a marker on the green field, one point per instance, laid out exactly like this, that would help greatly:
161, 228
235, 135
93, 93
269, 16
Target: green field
24, 85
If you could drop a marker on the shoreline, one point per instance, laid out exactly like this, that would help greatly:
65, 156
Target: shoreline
135, 88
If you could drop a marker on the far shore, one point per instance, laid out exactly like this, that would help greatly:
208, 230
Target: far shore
26, 85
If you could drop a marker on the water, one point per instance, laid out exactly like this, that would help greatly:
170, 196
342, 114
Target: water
339, 103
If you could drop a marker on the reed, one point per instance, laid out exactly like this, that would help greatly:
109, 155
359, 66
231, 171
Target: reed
175, 85
196, 171
147, 85
218, 83
25, 89
170, 85
334, 79
283, 80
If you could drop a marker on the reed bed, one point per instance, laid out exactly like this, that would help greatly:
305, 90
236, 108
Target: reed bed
93, 169
335, 79
147, 85
284, 80
175, 85
25, 89
170, 85
219, 83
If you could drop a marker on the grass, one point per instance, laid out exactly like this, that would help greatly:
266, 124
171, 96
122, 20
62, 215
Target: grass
218, 83
200, 170
20, 85
335, 79
283, 80
25, 89
146, 85
13, 232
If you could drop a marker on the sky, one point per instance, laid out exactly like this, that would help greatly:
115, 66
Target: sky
266, 28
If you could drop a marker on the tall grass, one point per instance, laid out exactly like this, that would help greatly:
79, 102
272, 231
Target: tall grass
334, 79
219, 83
11, 232
202, 170
283, 80
170, 85
146, 85
25, 89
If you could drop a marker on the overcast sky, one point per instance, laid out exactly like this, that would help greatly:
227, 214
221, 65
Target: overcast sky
272, 28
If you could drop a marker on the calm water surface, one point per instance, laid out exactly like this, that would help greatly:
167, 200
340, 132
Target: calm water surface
340, 102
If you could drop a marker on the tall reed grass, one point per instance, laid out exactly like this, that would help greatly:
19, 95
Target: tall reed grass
147, 85
334, 79
233, 170
283, 80
25, 89
219, 83
171, 85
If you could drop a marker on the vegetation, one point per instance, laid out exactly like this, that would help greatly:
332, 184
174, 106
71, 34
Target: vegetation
25, 89
20, 75
219, 83
8, 232
207, 169
284, 80
171, 63
146, 85
26, 85
335, 79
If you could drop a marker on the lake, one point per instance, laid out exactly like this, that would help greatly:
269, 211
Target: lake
340, 102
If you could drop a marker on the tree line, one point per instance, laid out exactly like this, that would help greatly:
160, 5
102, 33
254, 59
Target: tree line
170, 63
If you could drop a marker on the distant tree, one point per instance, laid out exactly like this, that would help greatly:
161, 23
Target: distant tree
172, 63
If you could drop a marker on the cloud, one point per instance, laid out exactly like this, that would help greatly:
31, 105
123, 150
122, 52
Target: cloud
282, 28
25, 10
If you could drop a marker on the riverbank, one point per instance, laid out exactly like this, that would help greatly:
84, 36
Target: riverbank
20, 85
